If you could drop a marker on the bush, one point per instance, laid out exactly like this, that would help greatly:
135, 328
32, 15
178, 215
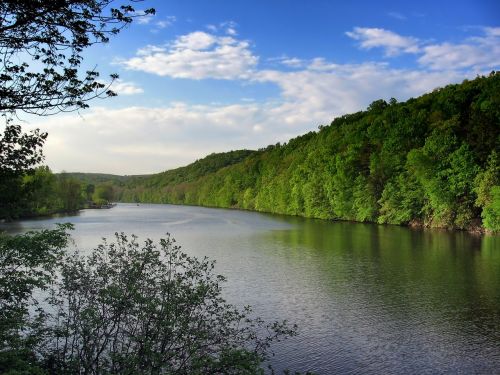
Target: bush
27, 264
491, 212
150, 308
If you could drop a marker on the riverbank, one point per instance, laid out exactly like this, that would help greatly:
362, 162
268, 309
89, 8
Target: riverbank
474, 228
59, 212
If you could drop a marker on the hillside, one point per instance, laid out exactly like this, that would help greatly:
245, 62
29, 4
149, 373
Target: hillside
98, 178
148, 188
431, 161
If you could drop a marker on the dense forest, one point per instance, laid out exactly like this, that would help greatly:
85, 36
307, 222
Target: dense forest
432, 161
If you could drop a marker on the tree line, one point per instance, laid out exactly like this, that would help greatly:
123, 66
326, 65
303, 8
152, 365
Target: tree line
41, 192
430, 161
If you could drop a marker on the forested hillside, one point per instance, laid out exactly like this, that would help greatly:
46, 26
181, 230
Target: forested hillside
150, 188
98, 178
430, 161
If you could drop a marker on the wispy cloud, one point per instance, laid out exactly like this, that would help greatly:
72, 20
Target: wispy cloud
478, 52
212, 28
126, 88
166, 22
397, 15
392, 43
227, 27
152, 20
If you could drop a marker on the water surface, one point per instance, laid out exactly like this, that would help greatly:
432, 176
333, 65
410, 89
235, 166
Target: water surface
367, 298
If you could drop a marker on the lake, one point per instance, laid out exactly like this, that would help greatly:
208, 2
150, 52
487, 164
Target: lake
368, 299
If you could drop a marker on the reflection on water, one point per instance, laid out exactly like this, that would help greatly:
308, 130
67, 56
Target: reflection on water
367, 298
398, 300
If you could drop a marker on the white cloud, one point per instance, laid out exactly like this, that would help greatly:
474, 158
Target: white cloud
139, 140
392, 43
230, 27
197, 40
148, 50
492, 31
147, 19
476, 52
315, 96
293, 62
167, 22
126, 88
197, 55
145, 140
320, 64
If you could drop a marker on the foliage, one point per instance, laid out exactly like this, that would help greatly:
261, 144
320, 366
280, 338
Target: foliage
430, 161
53, 35
104, 192
126, 308
19, 154
487, 188
45, 193
27, 263
70, 193
491, 211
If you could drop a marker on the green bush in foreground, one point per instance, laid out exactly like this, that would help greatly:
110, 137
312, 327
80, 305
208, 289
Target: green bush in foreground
127, 308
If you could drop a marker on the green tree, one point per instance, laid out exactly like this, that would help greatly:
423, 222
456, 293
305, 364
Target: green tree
89, 191
19, 154
491, 211
42, 191
69, 192
104, 193
487, 188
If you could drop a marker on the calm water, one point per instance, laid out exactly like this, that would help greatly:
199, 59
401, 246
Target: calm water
368, 299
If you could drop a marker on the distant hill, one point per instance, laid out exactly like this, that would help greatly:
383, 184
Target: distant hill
98, 178
431, 161
202, 167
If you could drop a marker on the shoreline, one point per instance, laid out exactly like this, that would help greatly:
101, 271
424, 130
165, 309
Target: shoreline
475, 229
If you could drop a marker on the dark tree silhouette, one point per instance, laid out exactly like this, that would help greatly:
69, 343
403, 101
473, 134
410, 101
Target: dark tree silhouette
41, 45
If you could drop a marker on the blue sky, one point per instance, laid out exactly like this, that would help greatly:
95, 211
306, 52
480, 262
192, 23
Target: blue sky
212, 76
